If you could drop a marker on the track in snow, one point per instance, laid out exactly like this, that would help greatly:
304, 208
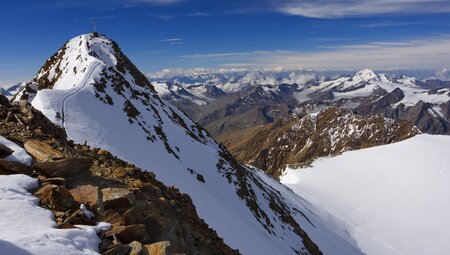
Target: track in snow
63, 103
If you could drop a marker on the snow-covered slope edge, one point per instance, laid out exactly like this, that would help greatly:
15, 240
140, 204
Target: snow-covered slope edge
29, 229
91, 89
394, 199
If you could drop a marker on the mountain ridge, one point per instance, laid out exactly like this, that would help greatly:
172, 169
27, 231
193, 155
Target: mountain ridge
117, 109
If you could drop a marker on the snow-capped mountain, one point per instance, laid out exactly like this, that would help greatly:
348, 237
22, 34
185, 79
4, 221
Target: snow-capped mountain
12, 90
425, 103
233, 80
90, 88
298, 140
393, 199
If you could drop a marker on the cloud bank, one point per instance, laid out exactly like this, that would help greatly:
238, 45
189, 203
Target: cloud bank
354, 8
429, 54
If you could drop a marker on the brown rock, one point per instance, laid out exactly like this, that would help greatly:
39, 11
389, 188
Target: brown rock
135, 216
111, 217
56, 198
12, 167
119, 172
103, 152
136, 248
88, 195
153, 225
5, 151
117, 249
65, 226
64, 168
156, 248
137, 184
106, 245
41, 150
56, 180
114, 198
115, 230
78, 218
132, 233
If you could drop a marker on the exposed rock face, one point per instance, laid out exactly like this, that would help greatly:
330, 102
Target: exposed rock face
88, 195
156, 248
42, 151
56, 198
11, 167
72, 167
298, 140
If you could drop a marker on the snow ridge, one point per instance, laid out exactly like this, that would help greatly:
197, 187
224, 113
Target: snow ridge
108, 103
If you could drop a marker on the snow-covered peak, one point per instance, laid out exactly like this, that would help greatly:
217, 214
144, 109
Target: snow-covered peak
92, 89
367, 74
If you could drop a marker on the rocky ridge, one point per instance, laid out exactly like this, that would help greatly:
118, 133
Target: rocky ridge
92, 90
147, 217
298, 140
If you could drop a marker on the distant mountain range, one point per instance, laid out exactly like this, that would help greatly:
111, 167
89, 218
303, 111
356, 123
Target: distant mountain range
425, 103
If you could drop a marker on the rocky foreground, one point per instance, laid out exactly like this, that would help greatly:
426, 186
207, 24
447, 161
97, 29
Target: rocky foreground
146, 216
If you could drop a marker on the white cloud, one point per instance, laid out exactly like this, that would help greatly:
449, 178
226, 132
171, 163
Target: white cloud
346, 8
429, 54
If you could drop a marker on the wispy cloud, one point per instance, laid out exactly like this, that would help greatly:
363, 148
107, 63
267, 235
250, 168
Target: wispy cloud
430, 53
391, 24
353, 8
198, 14
173, 41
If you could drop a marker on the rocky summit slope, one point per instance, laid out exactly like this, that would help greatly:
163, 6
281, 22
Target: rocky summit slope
297, 141
144, 213
92, 90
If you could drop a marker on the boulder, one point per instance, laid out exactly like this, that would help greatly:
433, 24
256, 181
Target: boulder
103, 152
13, 167
114, 198
156, 248
118, 249
136, 248
111, 217
119, 172
135, 215
114, 231
132, 233
56, 198
78, 218
72, 167
5, 151
42, 151
88, 195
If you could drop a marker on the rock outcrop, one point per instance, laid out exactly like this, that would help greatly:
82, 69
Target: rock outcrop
297, 140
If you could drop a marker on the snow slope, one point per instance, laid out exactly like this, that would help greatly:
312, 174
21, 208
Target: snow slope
28, 229
91, 88
19, 154
366, 83
392, 199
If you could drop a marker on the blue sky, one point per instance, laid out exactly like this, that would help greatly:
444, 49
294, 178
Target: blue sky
157, 34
